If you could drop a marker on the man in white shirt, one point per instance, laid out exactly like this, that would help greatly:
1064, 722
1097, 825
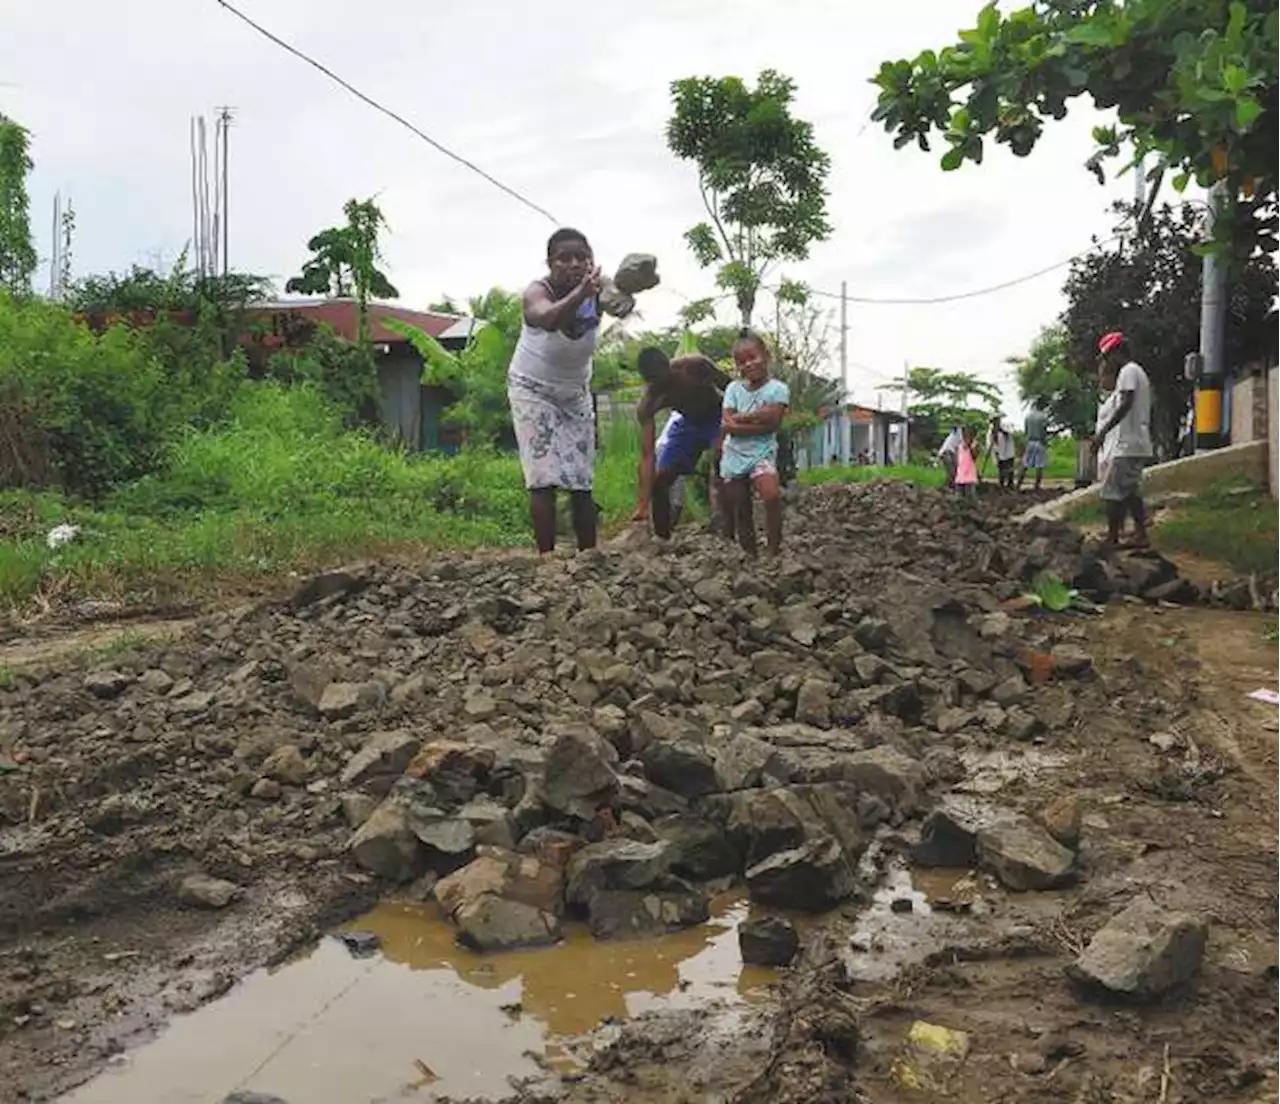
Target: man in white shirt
1000, 442
947, 454
1129, 419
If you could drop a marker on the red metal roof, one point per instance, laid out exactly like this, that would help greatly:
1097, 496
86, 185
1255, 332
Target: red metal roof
341, 316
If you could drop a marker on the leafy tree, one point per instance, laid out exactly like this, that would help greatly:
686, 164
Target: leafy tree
344, 262
761, 175
1148, 286
1193, 82
1048, 381
342, 370
938, 400
17, 254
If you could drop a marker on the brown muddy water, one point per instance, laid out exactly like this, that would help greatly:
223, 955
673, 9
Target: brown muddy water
423, 1017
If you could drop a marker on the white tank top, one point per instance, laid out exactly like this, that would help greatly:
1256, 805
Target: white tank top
548, 356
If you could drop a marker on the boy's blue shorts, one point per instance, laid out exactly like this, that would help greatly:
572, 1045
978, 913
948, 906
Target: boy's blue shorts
683, 438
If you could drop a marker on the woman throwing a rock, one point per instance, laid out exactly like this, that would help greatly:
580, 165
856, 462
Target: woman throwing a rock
549, 385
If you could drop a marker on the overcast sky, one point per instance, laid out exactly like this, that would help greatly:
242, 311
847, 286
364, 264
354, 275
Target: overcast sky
567, 108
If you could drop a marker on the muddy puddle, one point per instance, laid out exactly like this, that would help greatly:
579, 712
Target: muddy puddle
912, 913
423, 1017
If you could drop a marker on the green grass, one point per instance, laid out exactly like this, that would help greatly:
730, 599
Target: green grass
1062, 459
1061, 465
282, 487
907, 473
1232, 522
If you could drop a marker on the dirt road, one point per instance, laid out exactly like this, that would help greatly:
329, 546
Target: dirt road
875, 675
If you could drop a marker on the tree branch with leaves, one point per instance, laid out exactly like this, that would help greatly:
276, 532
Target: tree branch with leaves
1193, 83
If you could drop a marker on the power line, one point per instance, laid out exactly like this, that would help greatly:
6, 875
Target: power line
965, 294
440, 147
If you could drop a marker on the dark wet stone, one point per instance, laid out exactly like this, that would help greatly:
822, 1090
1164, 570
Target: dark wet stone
768, 941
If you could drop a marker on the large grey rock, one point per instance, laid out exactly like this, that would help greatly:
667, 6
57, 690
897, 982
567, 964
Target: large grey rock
891, 775
813, 702
287, 766
810, 878
107, 684
683, 767
204, 891
740, 762
1023, 855
446, 833
760, 823
523, 878
492, 923
615, 864
1143, 951
768, 941
386, 845
699, 849
949, 834
638, 272
383, 754
344, 699
643, 913
579, 775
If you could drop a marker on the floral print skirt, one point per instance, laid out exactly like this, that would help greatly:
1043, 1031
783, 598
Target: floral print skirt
555, 429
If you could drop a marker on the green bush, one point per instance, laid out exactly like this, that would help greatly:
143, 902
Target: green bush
95, 405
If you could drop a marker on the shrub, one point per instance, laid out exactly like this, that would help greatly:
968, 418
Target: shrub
97, 404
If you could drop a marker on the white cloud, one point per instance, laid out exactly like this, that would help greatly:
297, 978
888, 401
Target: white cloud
569, 109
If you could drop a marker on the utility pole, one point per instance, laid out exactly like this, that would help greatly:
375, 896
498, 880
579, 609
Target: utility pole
906, 425
1213, 328
844, 336
224, 122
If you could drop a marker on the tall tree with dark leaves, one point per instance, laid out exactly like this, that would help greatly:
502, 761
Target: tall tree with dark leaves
1148, 286
761, 175
17, 254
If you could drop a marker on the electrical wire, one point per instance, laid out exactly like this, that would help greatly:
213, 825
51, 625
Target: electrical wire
438, 146
529, 203
929, 300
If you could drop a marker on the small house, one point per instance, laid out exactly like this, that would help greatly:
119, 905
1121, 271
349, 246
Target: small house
410, 409
851, 434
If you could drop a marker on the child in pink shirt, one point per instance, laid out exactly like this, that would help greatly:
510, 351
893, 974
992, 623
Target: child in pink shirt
967, 463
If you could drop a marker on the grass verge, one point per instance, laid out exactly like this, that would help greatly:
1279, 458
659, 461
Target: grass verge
1232, 522
282, 487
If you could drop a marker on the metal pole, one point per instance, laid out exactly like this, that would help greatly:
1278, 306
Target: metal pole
1213, 328
225, 119
906, 426
844, 336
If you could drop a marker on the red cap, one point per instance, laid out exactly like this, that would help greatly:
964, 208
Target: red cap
1110, 341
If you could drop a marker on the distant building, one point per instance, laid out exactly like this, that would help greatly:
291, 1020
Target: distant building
849, 432
410, 409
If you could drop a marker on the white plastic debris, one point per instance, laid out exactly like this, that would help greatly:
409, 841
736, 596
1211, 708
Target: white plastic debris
62, 534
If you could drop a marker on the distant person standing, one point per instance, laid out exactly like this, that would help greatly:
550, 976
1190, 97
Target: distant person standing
949, 453
1129, 419
1036, 454
549, 387
967, 477
1000, 442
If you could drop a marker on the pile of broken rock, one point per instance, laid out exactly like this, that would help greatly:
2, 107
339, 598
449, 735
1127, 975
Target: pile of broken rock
616, 736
